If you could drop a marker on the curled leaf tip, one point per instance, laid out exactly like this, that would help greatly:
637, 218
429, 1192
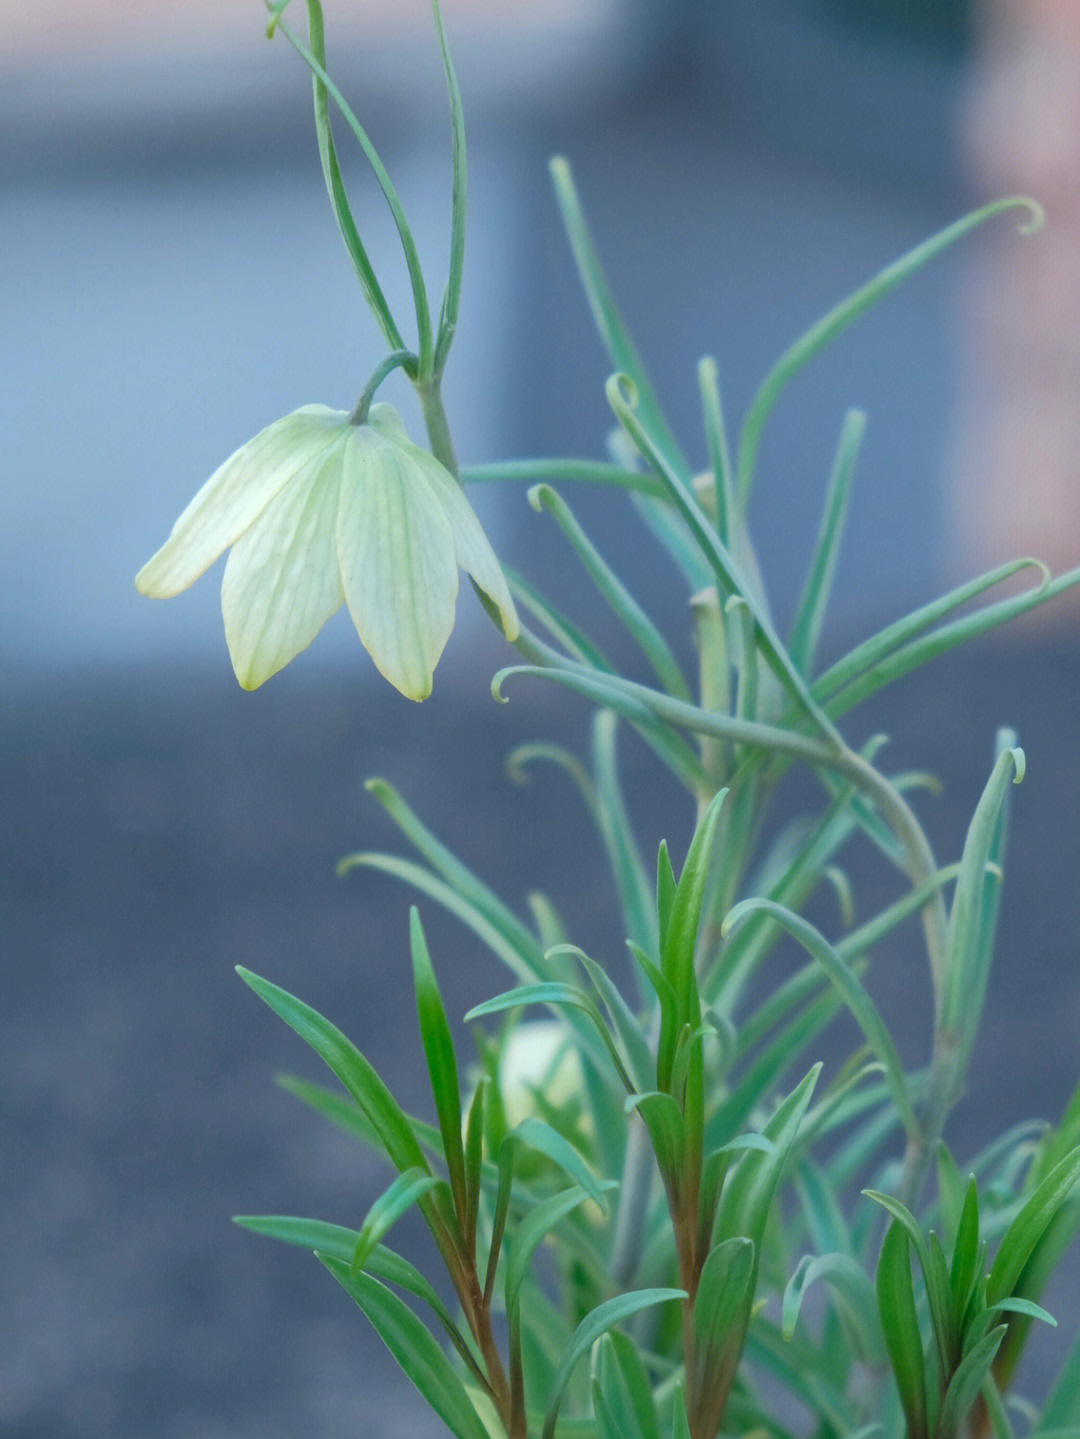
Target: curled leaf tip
497, 684
622, 393
539, 496
1036, 216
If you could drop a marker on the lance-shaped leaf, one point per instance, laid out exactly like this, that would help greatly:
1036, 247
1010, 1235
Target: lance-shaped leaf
721, 1311
621, 1379
379, 1106
609, 323
604, 1317
845, 313
974, 911
618, 836
1029, 1226
749, 1190
414, 1348
663, 1119
853, 1292
336, 1242
966, 1382
935, 1276
854, 994
402, 1194
810, 611
681, 931
548, 1141
465, 883
900, 1324
1062, 1408
441, 1060
619, 599
559, 996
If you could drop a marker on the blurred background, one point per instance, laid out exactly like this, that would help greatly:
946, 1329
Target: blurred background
171, 282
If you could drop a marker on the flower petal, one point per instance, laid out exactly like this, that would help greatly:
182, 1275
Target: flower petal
281, 581
398, 567
236, 494
471, 545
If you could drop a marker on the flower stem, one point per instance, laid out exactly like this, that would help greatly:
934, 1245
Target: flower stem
438, 427
405, 359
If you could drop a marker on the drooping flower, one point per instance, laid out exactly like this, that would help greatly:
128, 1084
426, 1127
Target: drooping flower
319, 511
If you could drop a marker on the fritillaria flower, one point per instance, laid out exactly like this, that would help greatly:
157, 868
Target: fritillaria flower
320, 511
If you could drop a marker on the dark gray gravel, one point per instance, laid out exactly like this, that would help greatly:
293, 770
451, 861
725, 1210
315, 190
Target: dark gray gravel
160, 828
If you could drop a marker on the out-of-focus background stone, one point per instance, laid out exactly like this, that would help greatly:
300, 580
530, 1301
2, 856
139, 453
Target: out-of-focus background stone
172, 281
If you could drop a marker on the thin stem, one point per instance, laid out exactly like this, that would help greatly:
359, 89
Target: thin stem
438, 426
405, 359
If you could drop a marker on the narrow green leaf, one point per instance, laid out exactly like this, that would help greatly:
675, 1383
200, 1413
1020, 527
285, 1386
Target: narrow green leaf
1062, 1408
965, 1384
604, 1317
548, 1141
896, 1303
351, 1068
618, 598
853, 1292
729, 576
441, 1060
964, 1270
558, 995
412, 1345
316, 63
969, 943
452, 298
939, 1295
527, 1238
507, 1158
810, 610
339, 1243
562, 471
1026, 1307
445, 863
635, 1381
721, 1313
634, 1043
1029, 1226
841, 316
716, 441
614, 1406
474, 1151
406, 1189
748, 1192
854, 995
663, 1119
666, 885
527, 963
609, 323
335, 186
617, 834
903, 661
681, 931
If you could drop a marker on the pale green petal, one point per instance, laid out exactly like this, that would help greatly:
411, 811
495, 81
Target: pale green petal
471, 545
237, 493
386, 420
398, 568
281, 581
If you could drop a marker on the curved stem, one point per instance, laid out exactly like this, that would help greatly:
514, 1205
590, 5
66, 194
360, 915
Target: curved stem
404, 359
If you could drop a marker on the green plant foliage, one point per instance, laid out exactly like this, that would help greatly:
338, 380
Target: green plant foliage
646, 1204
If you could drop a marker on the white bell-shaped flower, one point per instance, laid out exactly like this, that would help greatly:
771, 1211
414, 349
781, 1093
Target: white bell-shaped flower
319, 511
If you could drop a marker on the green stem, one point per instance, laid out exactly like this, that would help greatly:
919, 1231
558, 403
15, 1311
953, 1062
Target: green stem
438, 426
405, 359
